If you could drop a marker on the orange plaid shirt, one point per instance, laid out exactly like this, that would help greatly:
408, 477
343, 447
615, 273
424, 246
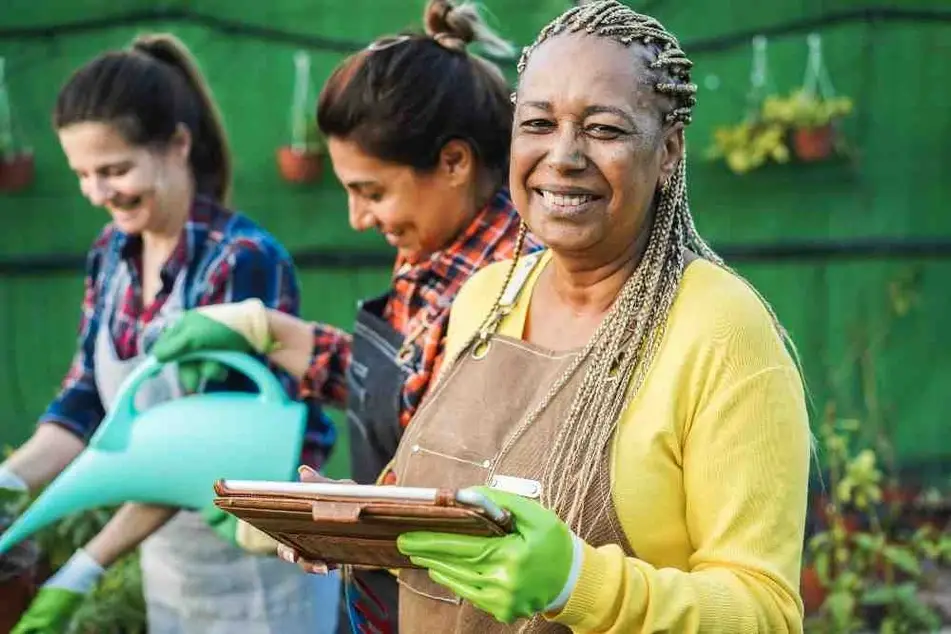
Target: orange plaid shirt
418, 306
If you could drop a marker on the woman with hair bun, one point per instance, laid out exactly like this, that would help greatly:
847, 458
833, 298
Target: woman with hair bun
418, 131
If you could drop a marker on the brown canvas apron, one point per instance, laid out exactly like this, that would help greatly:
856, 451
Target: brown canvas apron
457, 438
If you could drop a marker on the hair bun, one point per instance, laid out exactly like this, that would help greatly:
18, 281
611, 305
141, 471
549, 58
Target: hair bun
442, 19
456, 26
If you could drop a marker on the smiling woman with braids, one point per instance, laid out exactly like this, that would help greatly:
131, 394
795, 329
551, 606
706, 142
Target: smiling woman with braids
641, 390
627, 396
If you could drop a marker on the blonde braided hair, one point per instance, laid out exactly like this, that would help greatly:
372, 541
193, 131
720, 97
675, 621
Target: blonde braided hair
623, 347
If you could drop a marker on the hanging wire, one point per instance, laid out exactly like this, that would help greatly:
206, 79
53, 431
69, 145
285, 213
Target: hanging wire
6, 123
299, 107
817, 76
759, 77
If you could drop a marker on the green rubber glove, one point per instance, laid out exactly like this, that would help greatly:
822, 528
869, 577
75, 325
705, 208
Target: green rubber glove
224, 524
238, 533
238, 327
516, 576
50, 613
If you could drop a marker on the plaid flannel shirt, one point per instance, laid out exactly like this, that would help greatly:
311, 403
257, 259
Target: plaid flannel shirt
418, 306
227, 258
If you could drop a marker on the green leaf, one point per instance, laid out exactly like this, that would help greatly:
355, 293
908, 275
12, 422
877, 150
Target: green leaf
819, 540
867, 542
902, 559
822, 567
921, 616
881, 595
841, 606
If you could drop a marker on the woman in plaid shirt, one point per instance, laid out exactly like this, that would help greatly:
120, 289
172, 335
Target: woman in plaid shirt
418, 132
143, 136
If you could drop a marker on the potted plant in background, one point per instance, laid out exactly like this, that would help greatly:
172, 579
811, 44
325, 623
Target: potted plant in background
115, 606
302, 160
749, 145
19, 573
876, 562
776, 128
800, 126
16, 170
16, 164
809, 121
873, 575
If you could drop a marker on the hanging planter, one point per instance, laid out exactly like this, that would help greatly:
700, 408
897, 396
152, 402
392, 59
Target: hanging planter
16, 170
754, 141
801, 126
814, 144
810, 122
302, 161
16, 163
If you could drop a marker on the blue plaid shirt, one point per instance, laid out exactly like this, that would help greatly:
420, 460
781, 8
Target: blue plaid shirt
226, 258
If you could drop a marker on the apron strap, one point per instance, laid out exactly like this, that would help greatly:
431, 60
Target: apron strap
517, 283
510, 295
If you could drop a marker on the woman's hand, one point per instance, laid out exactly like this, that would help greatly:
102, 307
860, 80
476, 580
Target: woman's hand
239, 327
292, 556
531, 570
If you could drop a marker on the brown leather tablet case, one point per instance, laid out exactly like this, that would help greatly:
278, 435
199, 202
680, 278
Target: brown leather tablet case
357, 531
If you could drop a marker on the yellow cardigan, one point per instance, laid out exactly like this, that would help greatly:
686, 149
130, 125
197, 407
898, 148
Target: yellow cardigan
710, 469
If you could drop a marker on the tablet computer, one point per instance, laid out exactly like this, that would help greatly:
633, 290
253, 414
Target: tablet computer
344, 523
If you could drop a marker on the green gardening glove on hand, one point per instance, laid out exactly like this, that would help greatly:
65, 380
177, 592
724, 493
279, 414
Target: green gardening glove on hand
224, 524
238, 327
531, 570
50, 613
238, 533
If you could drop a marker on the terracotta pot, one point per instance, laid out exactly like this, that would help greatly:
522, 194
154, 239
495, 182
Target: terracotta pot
811, 589
18, 583
299, 167
814, 144
16, 172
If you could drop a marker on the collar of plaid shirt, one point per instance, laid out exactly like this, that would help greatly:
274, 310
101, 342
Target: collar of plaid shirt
202, 219
422, 294
424, 289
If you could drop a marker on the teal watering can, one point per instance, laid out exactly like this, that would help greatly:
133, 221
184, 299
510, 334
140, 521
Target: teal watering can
173, 452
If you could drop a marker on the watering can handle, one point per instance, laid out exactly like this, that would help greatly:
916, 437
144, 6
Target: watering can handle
113, 433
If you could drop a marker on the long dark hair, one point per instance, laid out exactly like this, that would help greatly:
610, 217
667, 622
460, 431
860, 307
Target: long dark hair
145, 92
404, 97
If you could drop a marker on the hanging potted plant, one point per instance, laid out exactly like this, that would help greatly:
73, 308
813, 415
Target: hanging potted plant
810, 120
749, 145
777, 128
16, 170
302, 160
811, 112
16, 165
753, 142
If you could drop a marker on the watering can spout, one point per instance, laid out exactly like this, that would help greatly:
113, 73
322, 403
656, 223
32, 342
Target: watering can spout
172, 453
60, 499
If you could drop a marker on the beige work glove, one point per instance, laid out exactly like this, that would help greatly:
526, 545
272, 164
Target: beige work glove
253, 540
238, 327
